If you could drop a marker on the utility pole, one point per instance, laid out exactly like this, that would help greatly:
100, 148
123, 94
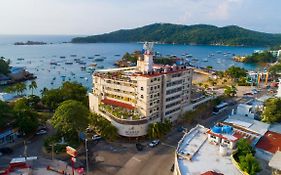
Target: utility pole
52, 154
25, 149
87, 156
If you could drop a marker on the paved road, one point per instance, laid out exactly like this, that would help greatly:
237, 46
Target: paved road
158, 160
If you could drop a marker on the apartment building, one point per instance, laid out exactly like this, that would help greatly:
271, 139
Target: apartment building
133, 97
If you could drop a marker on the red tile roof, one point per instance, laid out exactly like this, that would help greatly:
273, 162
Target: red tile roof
211, 173
117, 103
270, 142
221, 136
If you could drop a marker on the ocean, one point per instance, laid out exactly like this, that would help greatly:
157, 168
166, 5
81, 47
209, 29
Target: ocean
37, 58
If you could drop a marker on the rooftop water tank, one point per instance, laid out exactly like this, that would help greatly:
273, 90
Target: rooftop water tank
216, 129
227, 129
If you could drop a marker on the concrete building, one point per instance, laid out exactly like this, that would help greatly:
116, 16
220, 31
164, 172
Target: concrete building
195, 155
275, 164
133, 97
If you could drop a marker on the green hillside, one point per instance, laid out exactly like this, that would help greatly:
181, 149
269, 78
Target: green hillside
183, 34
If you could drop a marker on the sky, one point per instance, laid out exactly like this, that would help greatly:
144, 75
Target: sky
89, 17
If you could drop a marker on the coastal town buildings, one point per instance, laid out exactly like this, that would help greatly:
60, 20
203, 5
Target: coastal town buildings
196, 154
133, 97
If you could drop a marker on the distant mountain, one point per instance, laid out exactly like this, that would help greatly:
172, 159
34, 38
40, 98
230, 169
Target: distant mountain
183, 34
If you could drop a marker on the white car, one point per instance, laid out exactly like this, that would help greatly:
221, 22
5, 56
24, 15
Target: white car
96, 137
41, 132
154, 143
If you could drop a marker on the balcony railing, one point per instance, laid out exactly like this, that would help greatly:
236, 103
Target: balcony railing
123, 121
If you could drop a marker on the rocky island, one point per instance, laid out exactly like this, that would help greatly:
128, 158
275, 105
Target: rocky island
30, 43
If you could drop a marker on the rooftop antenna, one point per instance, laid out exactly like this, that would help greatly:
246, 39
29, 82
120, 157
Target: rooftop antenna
148, 48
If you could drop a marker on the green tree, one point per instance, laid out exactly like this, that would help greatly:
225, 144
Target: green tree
103, 127
52, 98
230, 91
243, 147
70, 117
32, 86
19, 88
26, 118
74, 91
159, 129
236, 72
4, 66
245, 157
153, 131
249, 164
69, 91
21, 105
6, 114
209, 67
27, 121
272, 110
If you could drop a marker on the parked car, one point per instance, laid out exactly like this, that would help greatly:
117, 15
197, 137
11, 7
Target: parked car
249, 94
96, 137
5, 151
41, 132
154, 143
139, 146
180, 129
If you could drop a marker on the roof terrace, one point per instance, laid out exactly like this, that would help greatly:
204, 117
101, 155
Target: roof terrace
195, 155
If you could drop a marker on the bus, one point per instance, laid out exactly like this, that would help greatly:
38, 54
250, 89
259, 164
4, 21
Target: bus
220, 108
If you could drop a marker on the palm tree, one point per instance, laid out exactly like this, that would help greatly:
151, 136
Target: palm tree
19, 88
32, 86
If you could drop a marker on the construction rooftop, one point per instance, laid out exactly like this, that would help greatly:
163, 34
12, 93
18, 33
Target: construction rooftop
195, 155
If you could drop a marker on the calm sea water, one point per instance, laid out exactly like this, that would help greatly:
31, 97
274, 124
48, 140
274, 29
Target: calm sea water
37, 58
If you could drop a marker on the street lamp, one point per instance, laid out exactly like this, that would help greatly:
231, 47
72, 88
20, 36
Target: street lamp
87, 159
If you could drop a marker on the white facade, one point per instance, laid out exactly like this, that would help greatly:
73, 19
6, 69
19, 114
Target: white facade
133, 97
279, 89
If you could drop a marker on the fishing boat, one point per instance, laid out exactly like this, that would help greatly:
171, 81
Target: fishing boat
20, 59
53, 63
205, 60
62, 56
100, 67
117, 55
97, 55
68, 62
83, 68
73, 55
90, 57
93, 65
99, 59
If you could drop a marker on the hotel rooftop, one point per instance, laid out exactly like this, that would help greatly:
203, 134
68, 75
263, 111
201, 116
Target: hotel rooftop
195, 155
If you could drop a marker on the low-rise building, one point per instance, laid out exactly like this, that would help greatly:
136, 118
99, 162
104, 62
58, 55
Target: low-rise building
196, 155
133, 97
275, 163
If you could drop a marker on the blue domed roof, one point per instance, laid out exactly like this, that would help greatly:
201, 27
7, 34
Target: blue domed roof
216, 129
227, 129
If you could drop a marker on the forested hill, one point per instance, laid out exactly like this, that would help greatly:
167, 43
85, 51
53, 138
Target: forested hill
183, 34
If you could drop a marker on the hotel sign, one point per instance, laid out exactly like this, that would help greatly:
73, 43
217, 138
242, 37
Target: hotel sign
71, 151
131, 131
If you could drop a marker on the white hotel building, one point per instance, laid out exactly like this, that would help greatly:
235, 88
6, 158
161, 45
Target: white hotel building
133, 97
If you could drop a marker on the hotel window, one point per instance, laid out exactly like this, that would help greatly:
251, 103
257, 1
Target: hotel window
142, 88
214, 137
151, 88
227, 142
141, 96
